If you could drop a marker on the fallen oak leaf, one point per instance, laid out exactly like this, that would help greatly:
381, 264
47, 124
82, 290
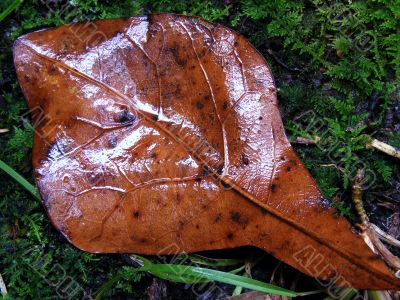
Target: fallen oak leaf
163, 135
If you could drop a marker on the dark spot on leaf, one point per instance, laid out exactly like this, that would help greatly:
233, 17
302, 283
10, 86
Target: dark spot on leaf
273, 188
95, 177
218, 218
179, 58
225, 105
220, 170
112, 142
124, 116
225, 185
374, 257
238, 218
52, 70
199, 105
181, 224
205, 171
178, 197
136, 214
245, 160
229, 236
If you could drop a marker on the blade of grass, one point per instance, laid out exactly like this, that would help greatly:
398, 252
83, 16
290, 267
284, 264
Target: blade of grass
186, 278
214, 275
302, 294
237, 291
346, 294
195, 275
106, 287
378, 295
140, 260
214, 262
21, 180
10, 9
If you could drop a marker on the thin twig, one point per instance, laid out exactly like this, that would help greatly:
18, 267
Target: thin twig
383, 147
391, 259
4, 130
280, 62
371, 234
356, 191
334, 166
386, 237
274, 272
305, 141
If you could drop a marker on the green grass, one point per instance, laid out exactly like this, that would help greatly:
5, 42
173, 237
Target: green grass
21, 180
9, 9
195, 275
340, 82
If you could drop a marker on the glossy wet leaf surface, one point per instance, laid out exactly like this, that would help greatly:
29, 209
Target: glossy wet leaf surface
162, 134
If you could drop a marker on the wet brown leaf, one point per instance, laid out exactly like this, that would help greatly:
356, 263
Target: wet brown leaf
162, 134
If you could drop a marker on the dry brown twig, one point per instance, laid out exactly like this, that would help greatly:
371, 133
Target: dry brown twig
4, 130
305, 141
383, 147
373, 144
371, 233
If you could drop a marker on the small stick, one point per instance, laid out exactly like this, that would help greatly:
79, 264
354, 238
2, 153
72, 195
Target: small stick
356, 191
305, 141
391, 259
280, 62
4, 130
371, 234
385, 148
274, 272
386, 237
